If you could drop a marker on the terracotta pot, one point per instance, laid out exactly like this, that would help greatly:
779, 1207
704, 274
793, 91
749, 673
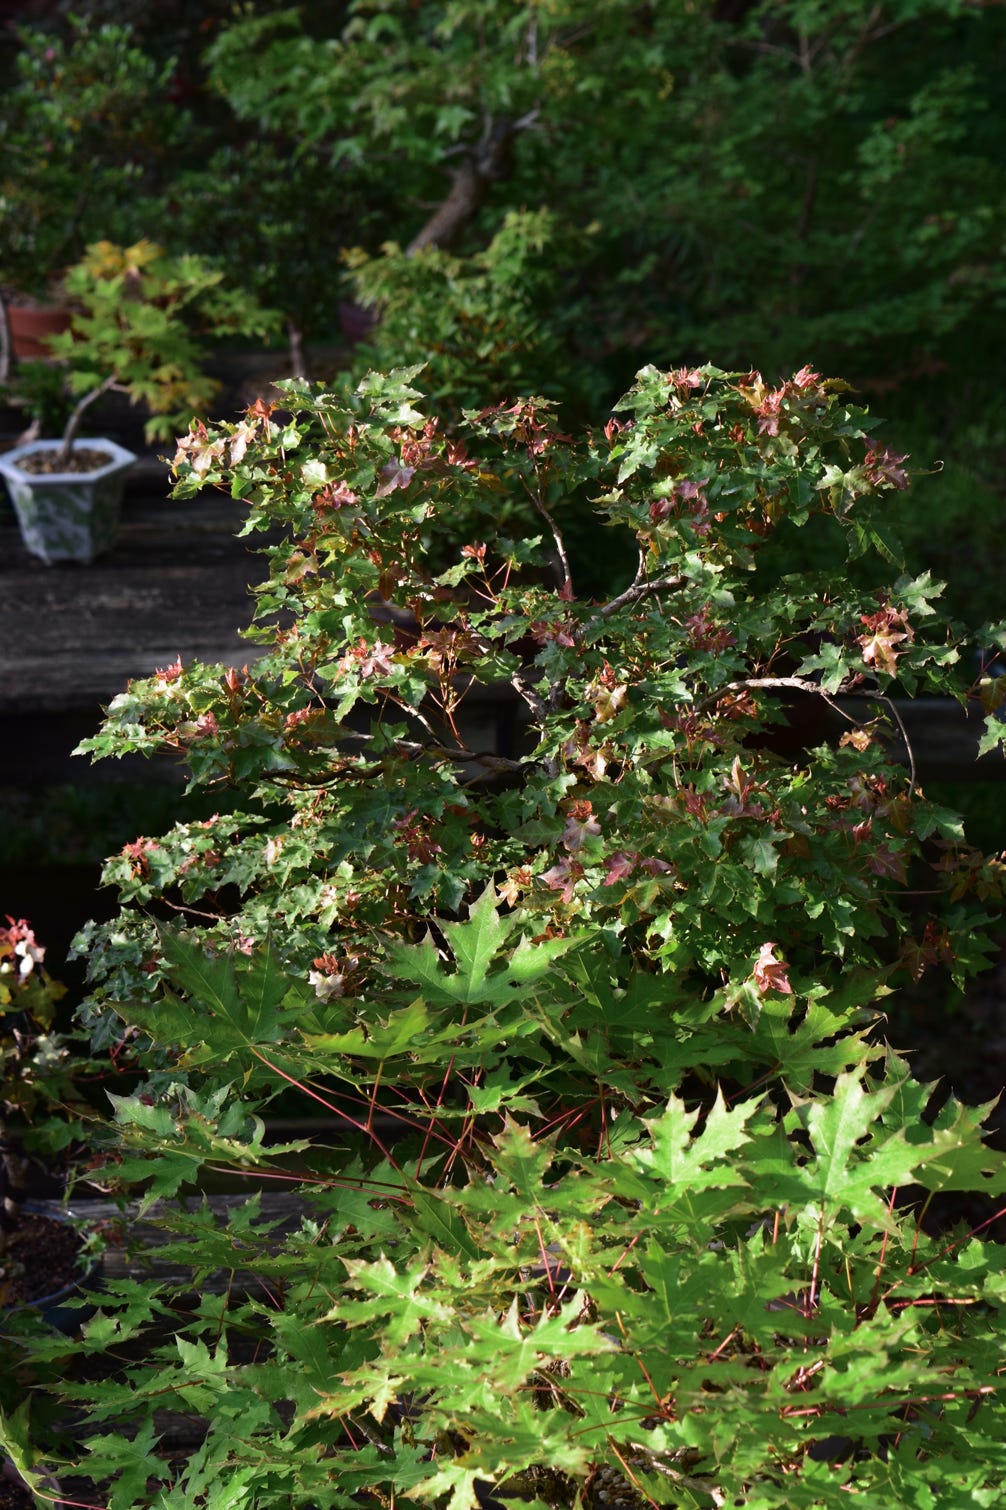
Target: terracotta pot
29, 325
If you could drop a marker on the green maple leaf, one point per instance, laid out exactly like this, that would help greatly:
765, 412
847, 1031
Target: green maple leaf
131, 1459
454, 1479
527, 1433
230, 1006
205, 1486
474, 946
391, 1293
958, 1157
522, 1162
699, 1162
436, 1219
512, 1352
182, 1136
378, 1039
855, 1153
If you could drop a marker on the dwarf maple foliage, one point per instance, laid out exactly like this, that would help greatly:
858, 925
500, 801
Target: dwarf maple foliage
569, 917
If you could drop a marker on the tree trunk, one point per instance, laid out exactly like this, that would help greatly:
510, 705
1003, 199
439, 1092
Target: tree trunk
491, 160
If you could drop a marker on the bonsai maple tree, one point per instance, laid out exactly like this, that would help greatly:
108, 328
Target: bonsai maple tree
633, 1200
140, 323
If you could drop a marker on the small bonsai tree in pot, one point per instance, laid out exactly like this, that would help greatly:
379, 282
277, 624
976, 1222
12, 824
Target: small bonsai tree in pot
140, 323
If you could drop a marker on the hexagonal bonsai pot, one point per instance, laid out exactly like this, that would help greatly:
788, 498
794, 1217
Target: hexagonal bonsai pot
67, 515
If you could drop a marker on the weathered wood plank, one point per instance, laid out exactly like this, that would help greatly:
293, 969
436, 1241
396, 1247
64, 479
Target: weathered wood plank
176, 584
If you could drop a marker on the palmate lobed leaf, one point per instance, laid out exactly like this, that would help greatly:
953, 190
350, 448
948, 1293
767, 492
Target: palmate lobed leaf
701, 1161
475, 946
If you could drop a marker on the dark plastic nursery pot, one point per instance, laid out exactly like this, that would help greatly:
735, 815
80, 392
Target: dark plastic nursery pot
61, 1309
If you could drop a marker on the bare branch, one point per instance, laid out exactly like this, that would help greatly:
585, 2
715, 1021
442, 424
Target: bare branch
6, 345
523, 688
73, 424
637, 591
791, 683
484, 164
560, 544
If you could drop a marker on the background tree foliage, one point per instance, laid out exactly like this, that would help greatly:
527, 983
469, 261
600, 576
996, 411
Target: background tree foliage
760, 183
539, 197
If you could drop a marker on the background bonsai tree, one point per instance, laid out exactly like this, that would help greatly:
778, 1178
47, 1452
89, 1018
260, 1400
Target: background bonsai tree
632, 1202
88, 143
140, 325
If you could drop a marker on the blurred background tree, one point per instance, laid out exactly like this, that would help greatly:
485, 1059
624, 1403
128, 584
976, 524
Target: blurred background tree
543, 195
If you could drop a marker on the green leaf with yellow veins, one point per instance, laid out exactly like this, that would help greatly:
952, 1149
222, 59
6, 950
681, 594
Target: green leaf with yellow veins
131, 1459
512, 1352
522, 1162
451, 1478
436, 1219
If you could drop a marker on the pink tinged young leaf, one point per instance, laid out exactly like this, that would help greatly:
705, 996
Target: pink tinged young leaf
335, 495
884, 467
198, 450
655, 867
563, 877
770, 973
331, 977
369, 660
885, 863
578, 831
620, 866
581, 825
240, 438
768, 411
805, 378
685, 378
206, 725
878, 645
394, 474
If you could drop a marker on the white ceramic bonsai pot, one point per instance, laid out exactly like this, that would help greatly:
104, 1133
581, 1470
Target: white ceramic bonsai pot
67, 516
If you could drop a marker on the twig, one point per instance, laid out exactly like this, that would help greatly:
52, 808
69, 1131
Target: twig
889, 702
560, 544
6, 344
637, 591
796, 683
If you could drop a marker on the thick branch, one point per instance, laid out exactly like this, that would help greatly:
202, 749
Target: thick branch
637, 591
792, 683
489, 161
